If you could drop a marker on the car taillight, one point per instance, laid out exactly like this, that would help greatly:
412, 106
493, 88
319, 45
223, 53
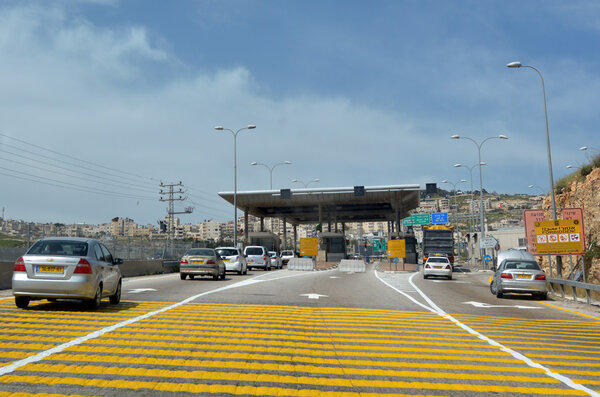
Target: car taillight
19, 265
540, 276
237, 258
264, 257
506, 275
427, 266
448, 267
184, 261
83, 267
210, 262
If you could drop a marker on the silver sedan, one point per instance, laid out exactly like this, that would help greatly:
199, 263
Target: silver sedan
67, 268
519, 276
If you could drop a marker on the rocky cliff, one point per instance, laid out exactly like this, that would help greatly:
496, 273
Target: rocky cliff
584, 192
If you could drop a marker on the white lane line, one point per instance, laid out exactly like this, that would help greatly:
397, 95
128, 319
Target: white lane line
57, 349
403, 293
561, 378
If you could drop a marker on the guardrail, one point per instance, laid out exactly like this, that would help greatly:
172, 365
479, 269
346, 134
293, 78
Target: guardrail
574, 285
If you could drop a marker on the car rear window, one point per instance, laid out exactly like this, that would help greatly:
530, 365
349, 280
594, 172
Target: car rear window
438, 260
522, 265
254, 251
59, 248
199, 252
287, 253
226, 252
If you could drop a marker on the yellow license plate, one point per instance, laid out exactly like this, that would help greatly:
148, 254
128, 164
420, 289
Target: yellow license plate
200, 262
438, 267
527, 276
225, 260
250, 261
50, 269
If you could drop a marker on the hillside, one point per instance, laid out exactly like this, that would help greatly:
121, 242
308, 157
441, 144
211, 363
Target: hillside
583, 191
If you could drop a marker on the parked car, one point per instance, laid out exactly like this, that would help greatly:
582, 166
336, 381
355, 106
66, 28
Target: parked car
201, 262
518, 272
233, 258
276, 261
286, 255
437, 266
67, 268
257, 256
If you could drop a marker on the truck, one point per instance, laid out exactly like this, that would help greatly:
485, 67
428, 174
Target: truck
438, 240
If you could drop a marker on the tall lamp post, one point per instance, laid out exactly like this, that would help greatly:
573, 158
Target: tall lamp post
235, 134
456, 210
307, 183
519, 65
481, 221
471, 220
271, 169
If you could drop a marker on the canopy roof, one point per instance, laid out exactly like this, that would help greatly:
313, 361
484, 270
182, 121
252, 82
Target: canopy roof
379, 203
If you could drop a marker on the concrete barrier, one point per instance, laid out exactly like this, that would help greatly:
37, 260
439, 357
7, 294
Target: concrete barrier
352, 265
301, 264
129, 268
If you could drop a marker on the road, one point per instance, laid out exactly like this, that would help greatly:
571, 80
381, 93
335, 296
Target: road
286, 333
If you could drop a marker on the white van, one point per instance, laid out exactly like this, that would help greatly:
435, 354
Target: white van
257, 256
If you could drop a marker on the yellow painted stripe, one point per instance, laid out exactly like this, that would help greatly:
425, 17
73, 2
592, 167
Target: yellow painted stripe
512, 319
568, 364
23, 394
323, 341
291, 332
298, 348
28, 331
49, 326
26, 345
277, 391
301, 368
38, 338
289, 355
275, 378
571, 311
572, 339
564, 357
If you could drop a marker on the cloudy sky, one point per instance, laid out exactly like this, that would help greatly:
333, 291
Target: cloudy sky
100, 101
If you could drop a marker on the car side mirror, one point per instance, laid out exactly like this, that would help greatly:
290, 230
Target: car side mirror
117, 261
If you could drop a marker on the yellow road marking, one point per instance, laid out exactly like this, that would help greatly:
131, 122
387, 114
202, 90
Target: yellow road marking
293, 367
274, 378
297, 348
571, 311
290, 355
278, 391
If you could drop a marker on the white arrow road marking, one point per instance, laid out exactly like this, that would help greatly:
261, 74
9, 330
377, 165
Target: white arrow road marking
138, 290
314, 296
486, 305
333, 277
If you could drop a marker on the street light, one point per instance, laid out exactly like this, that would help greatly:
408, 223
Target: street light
271, 169
307, 183
471, 220
519, 65
235, 134
456, 210
481, 220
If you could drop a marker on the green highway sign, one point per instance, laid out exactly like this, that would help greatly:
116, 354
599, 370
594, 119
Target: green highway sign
417, 219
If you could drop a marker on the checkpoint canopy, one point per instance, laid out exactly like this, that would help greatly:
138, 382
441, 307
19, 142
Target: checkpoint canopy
343, 204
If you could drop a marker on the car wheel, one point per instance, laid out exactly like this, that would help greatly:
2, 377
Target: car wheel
22, 301
191, 276
216, 277
182, 276
543, 296
95, 303
492, 290
450, 277
116, 298
240, 272
246, 270
223, 275
425, 276
499, 294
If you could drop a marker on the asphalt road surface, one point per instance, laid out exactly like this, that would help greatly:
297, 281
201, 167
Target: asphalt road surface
293, 333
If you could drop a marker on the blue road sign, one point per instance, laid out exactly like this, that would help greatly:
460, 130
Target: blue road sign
439, 217
487, 258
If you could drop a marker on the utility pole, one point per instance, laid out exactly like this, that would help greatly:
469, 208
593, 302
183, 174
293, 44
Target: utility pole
173, 189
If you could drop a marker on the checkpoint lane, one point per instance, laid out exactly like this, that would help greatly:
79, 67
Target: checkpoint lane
316, 348
272, 350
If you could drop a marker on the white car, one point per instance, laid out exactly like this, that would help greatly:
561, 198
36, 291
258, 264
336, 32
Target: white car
286, 255
257, 256
233, 258
276, 261
437, 266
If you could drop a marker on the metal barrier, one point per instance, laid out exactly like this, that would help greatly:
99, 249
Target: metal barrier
574, 285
